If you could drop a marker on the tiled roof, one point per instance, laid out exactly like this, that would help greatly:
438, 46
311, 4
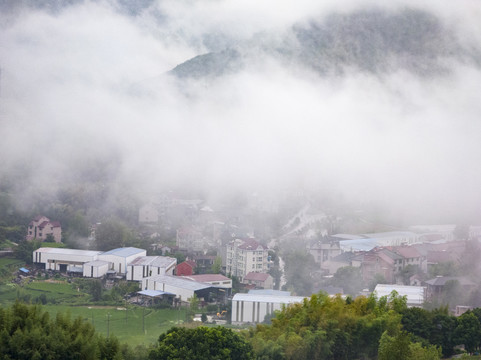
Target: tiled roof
43, 224
408, 252
250, 244
256, 276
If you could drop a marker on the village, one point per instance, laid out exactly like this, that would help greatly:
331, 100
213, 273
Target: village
247, 275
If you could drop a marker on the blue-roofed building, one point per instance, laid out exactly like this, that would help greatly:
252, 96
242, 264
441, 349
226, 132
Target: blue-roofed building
121, 257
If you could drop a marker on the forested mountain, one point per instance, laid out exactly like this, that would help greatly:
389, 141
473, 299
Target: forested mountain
373, 40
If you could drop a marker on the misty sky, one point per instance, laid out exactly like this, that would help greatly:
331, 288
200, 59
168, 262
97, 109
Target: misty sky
88, 81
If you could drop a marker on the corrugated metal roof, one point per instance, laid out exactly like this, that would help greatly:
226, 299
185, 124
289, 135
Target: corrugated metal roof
159, 261
96, 263
154, 293
180, 282
69, 251
124, 252
268, 298
269, 292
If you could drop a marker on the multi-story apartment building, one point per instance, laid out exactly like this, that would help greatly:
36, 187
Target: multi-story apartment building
245, 256
41, 227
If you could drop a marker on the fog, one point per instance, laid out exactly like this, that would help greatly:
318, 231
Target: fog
89, 81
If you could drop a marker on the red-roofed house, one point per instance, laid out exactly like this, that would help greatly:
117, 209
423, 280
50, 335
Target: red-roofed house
245, 256
412, 256
185, 268
41, 227
260, 280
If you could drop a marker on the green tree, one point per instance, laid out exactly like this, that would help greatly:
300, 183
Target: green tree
442, 330
217, 266
201, 343
349, 278
468, 331
394, 347
298, 268
49, 238
25, 249
95, 289
112, 234
27, 332
378, 279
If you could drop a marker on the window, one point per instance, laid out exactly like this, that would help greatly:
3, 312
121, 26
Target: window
259, 266
259, 258
253, 259
253, 266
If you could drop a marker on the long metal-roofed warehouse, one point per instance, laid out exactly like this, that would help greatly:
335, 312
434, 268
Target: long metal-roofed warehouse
182, 287
61, 259
253, 307
145, 266
121, 257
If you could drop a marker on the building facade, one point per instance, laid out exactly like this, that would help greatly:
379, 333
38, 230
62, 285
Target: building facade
253, 308
41, 228
245, 256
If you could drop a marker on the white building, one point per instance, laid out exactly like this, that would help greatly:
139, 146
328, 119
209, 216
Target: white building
96, 268
183, 288
145, 266
217, 280
245, 256
60, 259
252, 308
416, 295
121, 257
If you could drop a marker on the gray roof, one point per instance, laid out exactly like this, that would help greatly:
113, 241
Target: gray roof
358, 244
159, 261
180, 282
269, 292
153, 293
344, 257
278, 299
124, 252
442, 280
69, 251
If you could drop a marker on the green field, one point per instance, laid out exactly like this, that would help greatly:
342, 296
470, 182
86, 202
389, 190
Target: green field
7, 261
133, 325
130, 324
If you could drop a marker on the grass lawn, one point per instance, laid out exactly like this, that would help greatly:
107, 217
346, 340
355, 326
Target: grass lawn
54, 292
133, 325
7, 261
125, 323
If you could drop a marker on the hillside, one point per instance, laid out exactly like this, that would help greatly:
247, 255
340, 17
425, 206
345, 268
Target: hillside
374, 40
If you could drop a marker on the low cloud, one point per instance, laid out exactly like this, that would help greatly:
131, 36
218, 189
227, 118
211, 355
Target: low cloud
89, 82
